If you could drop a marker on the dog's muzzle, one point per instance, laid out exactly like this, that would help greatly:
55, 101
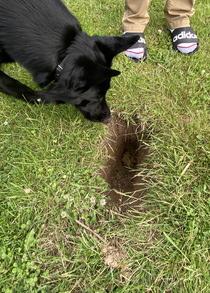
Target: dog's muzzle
106, 120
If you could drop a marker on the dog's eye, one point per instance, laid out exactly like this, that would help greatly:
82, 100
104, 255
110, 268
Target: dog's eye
84, 103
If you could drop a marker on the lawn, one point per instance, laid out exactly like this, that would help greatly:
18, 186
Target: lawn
50, 158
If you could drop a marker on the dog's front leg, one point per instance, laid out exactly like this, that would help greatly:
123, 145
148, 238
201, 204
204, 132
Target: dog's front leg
18, 90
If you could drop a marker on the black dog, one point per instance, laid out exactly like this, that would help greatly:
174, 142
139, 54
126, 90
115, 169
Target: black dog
46, 39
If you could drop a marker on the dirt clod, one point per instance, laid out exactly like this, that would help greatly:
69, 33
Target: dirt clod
112, 256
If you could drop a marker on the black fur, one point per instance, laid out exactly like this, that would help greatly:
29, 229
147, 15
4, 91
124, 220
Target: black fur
42, 34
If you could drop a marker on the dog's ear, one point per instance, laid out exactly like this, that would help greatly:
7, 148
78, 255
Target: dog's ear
111, 46
89, 72
96, 73
73, 80
85, 73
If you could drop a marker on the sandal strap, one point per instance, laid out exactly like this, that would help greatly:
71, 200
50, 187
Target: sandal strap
184, 35
141, 43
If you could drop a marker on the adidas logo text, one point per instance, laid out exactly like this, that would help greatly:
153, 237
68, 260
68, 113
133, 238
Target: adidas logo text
184, 35
142, 40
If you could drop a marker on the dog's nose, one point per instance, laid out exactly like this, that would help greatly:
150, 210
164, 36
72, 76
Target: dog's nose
106, 120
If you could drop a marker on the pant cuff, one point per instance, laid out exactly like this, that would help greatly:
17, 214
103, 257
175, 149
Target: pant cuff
134, 28
178, 23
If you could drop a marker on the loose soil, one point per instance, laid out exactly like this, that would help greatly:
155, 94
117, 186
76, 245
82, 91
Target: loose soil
127, 151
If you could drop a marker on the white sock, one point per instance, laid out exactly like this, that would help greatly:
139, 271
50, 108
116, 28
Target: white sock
137, 53
186, 48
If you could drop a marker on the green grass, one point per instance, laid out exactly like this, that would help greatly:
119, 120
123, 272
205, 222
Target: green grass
56, 153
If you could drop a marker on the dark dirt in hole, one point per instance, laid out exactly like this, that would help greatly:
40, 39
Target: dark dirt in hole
127, 152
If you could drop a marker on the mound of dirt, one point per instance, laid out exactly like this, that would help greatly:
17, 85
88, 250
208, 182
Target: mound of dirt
126, 152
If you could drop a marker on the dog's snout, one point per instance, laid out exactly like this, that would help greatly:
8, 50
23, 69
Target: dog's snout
106, 120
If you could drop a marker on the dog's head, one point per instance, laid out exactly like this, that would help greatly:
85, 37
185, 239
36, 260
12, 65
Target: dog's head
86, 74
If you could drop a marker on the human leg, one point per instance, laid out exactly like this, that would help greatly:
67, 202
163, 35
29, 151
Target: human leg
178, 14
135, 16
134, 20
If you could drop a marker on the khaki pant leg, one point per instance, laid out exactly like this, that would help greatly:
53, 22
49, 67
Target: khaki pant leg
178, 13
135, 16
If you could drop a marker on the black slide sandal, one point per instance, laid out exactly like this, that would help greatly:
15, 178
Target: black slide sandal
140, 44
184, 35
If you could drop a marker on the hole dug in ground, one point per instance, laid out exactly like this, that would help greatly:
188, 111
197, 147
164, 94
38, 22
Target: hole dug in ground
127, 150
